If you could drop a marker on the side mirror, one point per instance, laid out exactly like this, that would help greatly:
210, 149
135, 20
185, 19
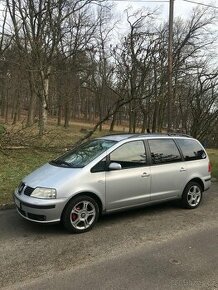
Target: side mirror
114, 166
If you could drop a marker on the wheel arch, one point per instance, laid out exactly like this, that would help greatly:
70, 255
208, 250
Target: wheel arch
197, 180
89, 194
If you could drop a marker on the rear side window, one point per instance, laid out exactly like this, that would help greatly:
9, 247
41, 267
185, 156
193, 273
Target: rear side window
163, 151
191, 149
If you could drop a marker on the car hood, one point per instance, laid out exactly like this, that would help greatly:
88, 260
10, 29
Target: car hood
51, 176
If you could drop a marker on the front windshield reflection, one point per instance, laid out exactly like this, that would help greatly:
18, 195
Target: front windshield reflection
83, 155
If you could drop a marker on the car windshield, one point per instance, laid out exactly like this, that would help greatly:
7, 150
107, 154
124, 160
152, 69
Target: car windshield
84, 154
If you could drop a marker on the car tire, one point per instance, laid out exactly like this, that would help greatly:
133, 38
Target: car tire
192, 195
80, 214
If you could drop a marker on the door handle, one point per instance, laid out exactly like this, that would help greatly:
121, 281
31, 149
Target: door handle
182, 169
145, 174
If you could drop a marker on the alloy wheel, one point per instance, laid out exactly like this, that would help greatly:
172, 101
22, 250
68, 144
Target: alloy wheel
83, 215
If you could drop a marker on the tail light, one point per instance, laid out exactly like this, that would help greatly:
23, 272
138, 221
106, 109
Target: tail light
209, 167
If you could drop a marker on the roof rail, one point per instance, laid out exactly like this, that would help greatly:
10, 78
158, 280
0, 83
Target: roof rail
160, 134
121, 134
179, 134
132, 135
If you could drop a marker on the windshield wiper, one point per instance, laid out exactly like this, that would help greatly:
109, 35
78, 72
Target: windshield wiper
61, 162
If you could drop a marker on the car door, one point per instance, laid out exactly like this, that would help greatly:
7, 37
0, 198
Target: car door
130, 185
168, 170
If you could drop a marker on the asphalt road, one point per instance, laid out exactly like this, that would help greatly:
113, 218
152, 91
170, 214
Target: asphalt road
158, 247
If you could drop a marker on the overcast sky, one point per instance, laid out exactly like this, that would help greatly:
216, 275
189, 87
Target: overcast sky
181, 8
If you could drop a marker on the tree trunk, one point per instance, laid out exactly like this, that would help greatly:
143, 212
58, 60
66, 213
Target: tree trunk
66, 116
113, 123
3, 102
59, 114
130, 118
44, 101
32, 102
144, 121
42, 117
16, 109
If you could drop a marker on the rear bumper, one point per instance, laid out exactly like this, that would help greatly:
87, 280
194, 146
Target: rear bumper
207, 183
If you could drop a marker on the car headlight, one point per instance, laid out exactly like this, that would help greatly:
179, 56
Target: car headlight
42, 192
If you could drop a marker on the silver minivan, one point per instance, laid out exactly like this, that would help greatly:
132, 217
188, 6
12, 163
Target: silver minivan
114, 173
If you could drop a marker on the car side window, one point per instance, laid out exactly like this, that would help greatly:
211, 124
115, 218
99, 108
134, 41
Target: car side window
164, 151
131, 154
191, 149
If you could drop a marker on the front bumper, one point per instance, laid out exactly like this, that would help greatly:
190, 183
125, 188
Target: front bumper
39, 210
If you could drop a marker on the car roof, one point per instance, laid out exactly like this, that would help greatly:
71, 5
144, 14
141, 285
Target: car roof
120, 137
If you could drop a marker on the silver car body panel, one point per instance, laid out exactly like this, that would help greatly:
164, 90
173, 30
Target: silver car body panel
168, 180
131, 187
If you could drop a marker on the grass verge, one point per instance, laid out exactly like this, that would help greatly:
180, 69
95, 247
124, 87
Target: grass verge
15, 164
213, 155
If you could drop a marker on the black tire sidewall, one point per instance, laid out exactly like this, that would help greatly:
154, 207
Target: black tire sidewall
66, 214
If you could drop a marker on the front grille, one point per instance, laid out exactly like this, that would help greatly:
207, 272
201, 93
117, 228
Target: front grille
28, 190
21, 187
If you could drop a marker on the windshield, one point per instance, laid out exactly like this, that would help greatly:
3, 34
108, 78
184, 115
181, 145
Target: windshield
83, 155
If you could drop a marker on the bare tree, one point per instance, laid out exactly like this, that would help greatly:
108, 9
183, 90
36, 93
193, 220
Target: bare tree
5, 42
135, 59
38, 29
64, 57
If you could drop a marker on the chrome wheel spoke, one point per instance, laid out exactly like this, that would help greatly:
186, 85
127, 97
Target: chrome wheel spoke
194, 195
76, 211
91, 213
86, 223
76, 222
196, 190
190, 197
86, 205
